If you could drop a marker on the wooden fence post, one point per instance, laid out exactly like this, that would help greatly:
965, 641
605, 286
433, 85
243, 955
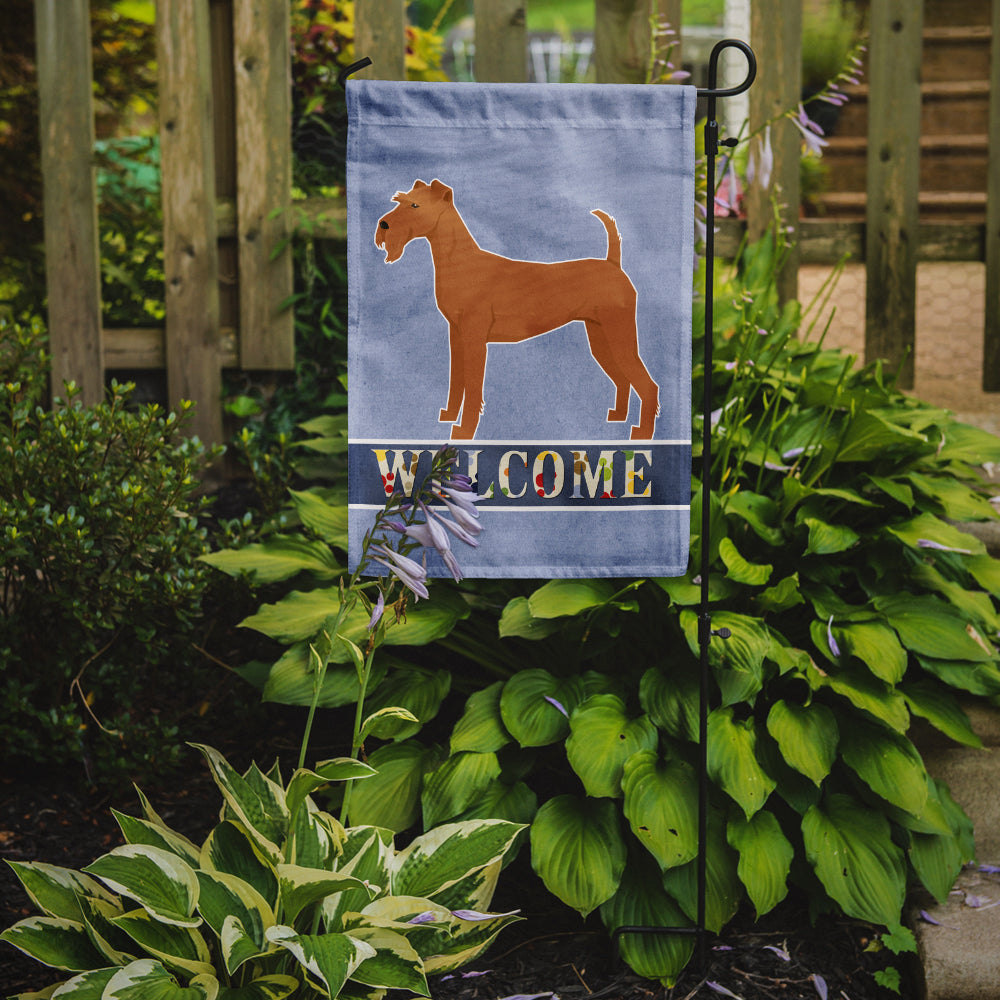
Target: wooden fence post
893, 183
380, 34
621, 40
776, 35
262, 61
190, 252
501, 40
991, 332
72, 256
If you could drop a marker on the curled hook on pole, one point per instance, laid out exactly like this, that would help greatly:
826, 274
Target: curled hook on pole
349, 70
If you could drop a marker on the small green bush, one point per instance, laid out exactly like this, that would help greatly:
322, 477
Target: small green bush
99, 578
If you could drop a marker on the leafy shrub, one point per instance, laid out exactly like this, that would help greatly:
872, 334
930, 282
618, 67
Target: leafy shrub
854, 603
99, 539
279, 899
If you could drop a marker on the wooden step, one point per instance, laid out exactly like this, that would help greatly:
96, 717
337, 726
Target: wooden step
957, 206
947, 162
956, 53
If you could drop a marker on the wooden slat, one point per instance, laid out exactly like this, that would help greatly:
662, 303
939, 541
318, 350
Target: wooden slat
72, 258
190, 254
621, 40
991, 332
262, 62
501, 37
144, 348
893, 183
380, 34
776, 36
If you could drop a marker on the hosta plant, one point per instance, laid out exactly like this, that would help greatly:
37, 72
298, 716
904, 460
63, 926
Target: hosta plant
279, 900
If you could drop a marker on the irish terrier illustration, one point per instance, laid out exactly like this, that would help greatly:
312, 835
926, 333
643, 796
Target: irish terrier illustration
489, 299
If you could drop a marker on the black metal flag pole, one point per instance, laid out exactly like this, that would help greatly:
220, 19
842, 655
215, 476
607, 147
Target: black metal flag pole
705, 631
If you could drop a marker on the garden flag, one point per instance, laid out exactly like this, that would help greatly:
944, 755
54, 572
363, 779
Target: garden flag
520, 272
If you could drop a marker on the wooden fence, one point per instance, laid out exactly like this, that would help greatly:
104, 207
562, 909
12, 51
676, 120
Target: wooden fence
226, 161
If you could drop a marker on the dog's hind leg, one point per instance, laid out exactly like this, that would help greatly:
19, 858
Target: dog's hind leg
649, 396
604, 354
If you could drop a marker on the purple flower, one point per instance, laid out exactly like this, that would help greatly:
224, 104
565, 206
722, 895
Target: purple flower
719, 988
475, 915
410, 573
780, 952
927, 543
458, 530
761, 163
811, 132
834, 648
462, 498
427, 917
377, 611
820, 983
558, 705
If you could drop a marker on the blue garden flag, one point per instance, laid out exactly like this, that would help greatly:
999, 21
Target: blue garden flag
520, 272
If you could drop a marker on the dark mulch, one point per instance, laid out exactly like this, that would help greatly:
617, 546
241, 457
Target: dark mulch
551, 951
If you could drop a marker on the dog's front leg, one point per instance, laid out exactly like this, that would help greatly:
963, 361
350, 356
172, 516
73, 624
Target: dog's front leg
456, 387
473, 374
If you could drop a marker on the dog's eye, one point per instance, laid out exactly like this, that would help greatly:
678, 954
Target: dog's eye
413, 204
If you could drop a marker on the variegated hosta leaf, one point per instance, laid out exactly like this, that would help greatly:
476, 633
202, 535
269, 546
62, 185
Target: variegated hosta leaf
481, 727
300, 887
98, 915
732, 760
578, 851
476, 890
159, 881
230, 849
273, 987
602, 737
456, 784
723, 889
304, 782
256, 801
315, 838
149, 980
888, 763
141, 831
441, 857
535, 706
395, 964
329, 959
56, 891
86, 986
391, 799
367, 853
765, 858
225, 897
850, 847
54, 941
642, 902
807, 736
661, 799
466, 941
177, 947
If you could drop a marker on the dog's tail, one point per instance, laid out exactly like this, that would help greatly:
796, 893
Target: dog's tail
614, 237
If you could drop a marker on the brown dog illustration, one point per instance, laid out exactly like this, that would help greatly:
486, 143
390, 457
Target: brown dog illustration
487, 298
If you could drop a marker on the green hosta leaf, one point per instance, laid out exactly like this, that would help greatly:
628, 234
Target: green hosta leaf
395, 964
739, 569
965, 443
932, 628
928, 528
279, 558
876, 646
515, 803
976, 678
765, 858
578, 851
558, 598
865, 692
937, 860
671, 699
159, 881
141, 831
941, 709
261, 809
957, 501
274, 987
893, 488
481, 728
327, 520
292, 680
976, 605
723, 889
180, 948
783, 595
888, 763
391, 798
602, 738
641, 901
758, 511
738, 661
301, 887
986, 571
330, 959
850, 847
517, 620
807, 736
870, 435
147, 979
304, 782
456, 784
438, 859
661, 798
56, 891
827, 539
225, 897
732, 760
230, 849
386, 723
683, 591
418, 690
528, 710
54, 941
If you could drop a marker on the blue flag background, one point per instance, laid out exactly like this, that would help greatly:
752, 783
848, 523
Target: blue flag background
567, 491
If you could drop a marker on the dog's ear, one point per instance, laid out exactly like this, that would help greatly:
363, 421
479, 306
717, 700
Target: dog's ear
442, 190
418, 184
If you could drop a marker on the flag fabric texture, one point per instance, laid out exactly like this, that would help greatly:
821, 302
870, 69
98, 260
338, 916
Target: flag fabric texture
520, 261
